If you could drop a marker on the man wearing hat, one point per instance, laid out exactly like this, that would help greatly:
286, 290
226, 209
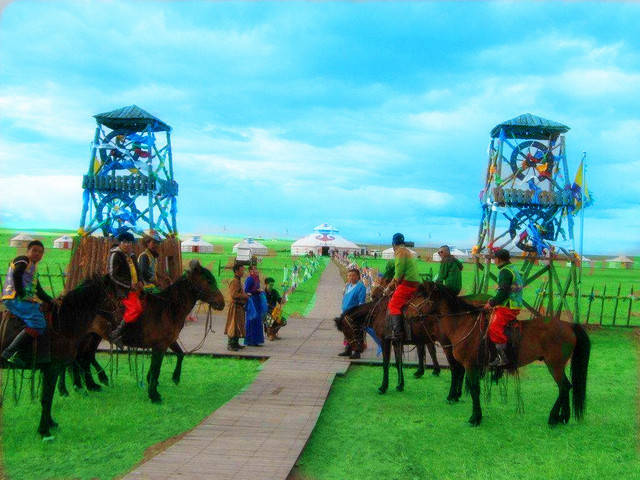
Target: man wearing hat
405, 281
148, 263
450, 274
123, 272
354, 294
506, 305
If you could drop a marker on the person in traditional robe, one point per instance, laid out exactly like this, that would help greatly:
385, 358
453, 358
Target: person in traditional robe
450, 274
22, 295
234, 328
153, 281
254, 336
354, 294
274, 320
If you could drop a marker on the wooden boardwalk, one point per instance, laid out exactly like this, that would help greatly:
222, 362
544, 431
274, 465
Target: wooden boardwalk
262, 431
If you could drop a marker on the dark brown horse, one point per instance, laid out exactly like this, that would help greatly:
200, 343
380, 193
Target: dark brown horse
460, 326
354, 322
162, 320
70, 318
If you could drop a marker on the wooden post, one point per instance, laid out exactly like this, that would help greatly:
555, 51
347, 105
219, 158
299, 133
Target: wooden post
615, 308
604, 293
590, 302
630, 302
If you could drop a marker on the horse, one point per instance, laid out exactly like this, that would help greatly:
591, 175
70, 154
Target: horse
354, 322
161, 322
548, 339
81, 367
70, 317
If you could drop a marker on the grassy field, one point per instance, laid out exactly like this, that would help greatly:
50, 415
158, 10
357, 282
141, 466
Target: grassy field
56, 260
103, 435
596, 277
417, 435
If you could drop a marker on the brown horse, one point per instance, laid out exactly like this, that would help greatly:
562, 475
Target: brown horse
162, 320
549, 339
354, 322
70, 318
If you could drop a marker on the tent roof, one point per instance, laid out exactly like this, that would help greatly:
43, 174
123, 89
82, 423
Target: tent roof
325, 227
196, 240
131, 118
22, 236
621, 259
320, 240
64, 238
388, 252
529, 126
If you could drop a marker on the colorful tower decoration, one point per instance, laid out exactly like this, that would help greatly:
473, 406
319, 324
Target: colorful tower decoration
130, 185
527, 207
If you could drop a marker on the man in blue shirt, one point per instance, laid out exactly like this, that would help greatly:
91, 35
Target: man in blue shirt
355, 294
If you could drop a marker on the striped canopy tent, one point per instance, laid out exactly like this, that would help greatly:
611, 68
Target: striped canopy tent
64, 242
388, 254
256, 248
324, 241
21, 240
196, 245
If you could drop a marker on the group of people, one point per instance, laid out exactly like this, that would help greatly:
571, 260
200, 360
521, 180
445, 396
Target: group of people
401, 279
252, 311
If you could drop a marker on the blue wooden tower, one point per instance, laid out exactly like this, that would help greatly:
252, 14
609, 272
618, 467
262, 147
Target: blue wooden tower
130, 185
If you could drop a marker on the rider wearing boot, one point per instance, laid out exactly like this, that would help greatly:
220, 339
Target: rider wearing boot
123, 272
450, 273
148, 263
506, 305
405, 282
22, 295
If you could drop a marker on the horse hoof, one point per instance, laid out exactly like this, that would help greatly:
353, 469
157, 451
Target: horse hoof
400, 388
156, 399
418, 374
94, 388
176, 380
53, 423
382, 390
103, 380
64, 393
474, 421
436, 373
452, 401
48, 438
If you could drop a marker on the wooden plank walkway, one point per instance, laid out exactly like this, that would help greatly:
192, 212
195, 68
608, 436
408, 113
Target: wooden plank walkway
262, 431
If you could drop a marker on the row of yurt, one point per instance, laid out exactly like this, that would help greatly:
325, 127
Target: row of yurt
324, 241
456, 252
249, 244
22, 241
196, 245
388, 254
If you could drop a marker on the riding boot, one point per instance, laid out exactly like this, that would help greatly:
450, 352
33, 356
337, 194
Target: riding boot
116, 335
347, 352
354, 355
501, 356
232, 344
10, 354
396, 327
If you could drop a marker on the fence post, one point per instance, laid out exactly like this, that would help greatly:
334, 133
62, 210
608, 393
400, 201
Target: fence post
604, 293
53, 292
590, 302
630, 302
615, 308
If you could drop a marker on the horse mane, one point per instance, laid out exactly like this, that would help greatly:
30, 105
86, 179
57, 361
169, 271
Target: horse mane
357, 312
455, 303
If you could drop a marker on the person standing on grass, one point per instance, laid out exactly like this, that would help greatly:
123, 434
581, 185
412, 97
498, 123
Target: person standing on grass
450, 274
254, 336
22, 295
354, 294
234, 328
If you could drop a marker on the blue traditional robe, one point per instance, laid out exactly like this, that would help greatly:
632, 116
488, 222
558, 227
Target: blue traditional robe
256, 310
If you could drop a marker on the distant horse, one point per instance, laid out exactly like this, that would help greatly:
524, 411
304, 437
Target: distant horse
353, 324
549, 339
69, 319
162, 320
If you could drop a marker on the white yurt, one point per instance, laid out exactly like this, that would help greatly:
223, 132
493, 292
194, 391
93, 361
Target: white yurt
456, 252
250, 244
197, 245
388, 253
324, 241
621, 261
21, 240
64, 242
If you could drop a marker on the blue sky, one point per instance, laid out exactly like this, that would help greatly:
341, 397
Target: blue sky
374, 117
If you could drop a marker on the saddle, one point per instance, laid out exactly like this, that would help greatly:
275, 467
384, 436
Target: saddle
40, 348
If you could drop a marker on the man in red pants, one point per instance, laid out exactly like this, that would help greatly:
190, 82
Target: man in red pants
506, 305
405, 282
123, 272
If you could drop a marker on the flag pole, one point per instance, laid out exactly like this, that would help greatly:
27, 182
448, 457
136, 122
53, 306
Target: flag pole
581, 253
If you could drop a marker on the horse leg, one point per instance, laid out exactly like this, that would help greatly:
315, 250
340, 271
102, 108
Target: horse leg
88, 378
473, 382
421, 356
434, 358
91, 356
75, 372
154, 372
457, 376
102, 375
50, 376
397, 349
561, 411
386, 357
62, 384
179, 357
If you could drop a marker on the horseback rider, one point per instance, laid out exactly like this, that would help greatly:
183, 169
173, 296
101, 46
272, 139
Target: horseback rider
405, 282
123, 272
148, 263
450, 273
506, 305
22, 295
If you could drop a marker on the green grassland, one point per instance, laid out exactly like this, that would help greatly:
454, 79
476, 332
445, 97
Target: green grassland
103, 435
596, 277
417, 435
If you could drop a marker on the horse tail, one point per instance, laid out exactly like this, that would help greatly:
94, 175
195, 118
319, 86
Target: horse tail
579, 366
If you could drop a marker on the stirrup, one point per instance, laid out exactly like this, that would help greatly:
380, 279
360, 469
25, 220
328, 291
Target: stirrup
15, 360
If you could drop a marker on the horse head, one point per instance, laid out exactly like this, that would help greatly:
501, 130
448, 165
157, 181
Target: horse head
351, 324
205, 284
423, 301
